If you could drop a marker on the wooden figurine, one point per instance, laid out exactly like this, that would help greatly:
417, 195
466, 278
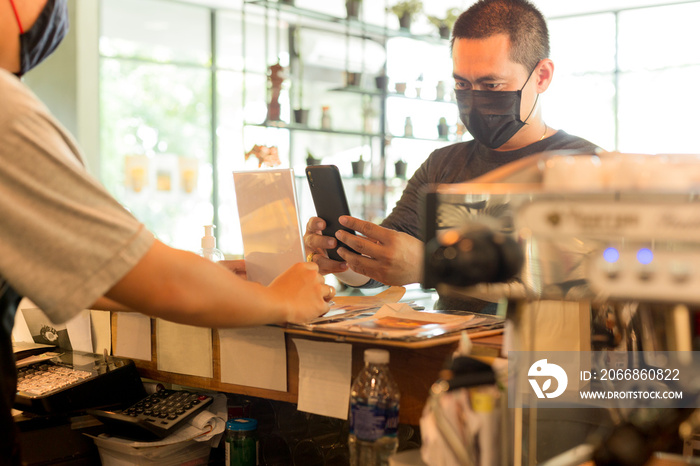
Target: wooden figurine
276, 77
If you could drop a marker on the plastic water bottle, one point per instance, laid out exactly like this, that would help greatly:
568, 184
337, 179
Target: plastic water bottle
374, 412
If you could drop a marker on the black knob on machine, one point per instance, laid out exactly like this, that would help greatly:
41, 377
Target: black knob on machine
477, 256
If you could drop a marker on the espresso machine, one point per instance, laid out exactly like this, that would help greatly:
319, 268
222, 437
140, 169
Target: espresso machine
588, 255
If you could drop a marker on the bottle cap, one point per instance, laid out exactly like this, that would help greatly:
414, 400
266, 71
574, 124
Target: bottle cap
377, 356
208, 240
241, 424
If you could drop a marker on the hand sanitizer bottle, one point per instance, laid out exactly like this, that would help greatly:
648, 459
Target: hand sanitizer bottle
209, 250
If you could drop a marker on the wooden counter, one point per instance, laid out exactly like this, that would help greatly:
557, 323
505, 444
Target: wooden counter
414, 368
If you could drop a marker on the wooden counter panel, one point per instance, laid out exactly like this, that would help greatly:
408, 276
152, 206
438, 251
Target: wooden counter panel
415, 369
149, 369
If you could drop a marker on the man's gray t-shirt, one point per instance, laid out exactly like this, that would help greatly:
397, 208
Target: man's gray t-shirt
459, 163
64, 240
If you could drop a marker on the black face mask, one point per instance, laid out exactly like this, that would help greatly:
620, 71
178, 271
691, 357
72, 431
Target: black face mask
492, 117
44, 36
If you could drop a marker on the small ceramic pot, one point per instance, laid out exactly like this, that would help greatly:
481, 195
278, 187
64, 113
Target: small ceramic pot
301, 116
400, 169
358, 168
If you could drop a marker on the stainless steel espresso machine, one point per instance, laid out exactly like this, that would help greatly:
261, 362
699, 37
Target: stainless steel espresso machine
589, 255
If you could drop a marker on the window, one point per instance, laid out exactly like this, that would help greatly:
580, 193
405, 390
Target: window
625, 79
581, 99
178, 82
156, 117
659, 72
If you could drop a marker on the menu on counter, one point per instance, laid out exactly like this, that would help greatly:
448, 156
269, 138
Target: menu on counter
400, 321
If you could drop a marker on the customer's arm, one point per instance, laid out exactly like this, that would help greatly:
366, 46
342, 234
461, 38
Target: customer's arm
183, 287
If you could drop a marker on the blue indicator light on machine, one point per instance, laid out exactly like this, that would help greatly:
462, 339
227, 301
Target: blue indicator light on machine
645, 256
611, 255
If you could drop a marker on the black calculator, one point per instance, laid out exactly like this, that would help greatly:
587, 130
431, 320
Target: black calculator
154, 417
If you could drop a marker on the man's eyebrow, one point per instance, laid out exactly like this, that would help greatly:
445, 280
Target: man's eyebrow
487, 78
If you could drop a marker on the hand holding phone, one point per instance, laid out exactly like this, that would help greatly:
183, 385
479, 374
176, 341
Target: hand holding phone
329, 199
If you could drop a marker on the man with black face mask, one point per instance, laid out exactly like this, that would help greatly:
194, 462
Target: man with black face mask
67, 245
500, 51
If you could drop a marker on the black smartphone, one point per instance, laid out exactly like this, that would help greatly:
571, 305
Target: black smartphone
330, 201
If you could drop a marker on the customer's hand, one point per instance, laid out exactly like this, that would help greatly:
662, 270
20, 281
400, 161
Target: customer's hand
388, 256
316, 244
303, 291
236, 266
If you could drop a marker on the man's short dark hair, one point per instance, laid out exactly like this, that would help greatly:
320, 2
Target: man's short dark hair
519, 19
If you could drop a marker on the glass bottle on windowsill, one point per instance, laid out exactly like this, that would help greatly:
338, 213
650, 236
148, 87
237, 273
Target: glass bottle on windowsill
408, 128
325, 117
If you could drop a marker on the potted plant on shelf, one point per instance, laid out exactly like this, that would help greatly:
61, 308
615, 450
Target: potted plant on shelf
418, 85
352, 7
353, 78
358, 167
381, 80
442, 128
311, 160
405, 10
301, 114
369, 115
444, 25
400, 168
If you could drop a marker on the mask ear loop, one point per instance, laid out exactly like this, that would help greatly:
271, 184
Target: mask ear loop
19, 23
536, 98
532, 109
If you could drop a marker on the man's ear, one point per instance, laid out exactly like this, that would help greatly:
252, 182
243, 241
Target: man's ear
544, 73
